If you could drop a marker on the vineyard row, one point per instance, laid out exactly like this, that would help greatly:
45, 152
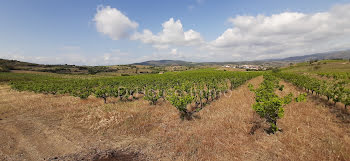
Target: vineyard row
181, 89
335, 91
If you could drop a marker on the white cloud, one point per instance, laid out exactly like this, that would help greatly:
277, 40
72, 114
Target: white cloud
111, 57
117, 57
259, 37
285, 34
172, 34
250, 37
112, 22
174, 51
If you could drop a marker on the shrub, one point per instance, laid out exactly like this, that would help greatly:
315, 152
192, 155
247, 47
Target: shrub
4, 69
301, 98
276, 70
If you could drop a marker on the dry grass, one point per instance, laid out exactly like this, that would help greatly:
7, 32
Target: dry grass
219, 132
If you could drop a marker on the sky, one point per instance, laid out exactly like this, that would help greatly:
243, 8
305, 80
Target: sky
110, 32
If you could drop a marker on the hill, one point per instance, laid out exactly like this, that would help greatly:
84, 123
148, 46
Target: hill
5, 62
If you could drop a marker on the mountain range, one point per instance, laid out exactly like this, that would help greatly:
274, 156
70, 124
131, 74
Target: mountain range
345, 54
319, 56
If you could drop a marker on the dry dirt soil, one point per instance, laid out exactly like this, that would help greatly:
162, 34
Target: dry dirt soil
47, 127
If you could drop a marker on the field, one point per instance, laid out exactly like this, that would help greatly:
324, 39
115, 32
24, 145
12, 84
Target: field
293, 113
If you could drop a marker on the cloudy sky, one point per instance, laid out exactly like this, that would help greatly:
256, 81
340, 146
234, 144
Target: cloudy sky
106, 32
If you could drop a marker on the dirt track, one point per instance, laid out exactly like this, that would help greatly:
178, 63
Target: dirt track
46, 134
46, 127
26, 137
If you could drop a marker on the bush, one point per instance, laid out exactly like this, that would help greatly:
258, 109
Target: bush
276, 70
4, 69
92, 71
317, 67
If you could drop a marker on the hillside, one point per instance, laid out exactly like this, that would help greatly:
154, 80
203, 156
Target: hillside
5, 62
320, 66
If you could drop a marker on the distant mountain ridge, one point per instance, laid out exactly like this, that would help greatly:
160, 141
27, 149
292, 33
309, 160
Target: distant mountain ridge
320, 56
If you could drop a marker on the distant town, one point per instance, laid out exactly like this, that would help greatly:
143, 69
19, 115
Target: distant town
247, 67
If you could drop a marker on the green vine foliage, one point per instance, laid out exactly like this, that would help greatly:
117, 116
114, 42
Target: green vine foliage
102, 92
347, 99
335, 90
268, 105
301, 98
180, 99
152, 95
198, 86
